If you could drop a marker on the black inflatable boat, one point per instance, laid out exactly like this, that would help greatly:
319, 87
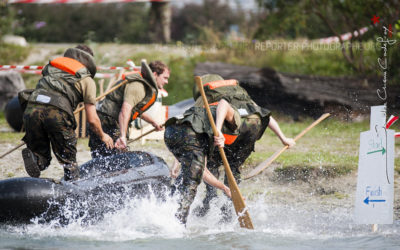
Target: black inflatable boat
104, 186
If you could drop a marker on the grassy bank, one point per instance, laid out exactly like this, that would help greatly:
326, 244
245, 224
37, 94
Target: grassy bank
328, 150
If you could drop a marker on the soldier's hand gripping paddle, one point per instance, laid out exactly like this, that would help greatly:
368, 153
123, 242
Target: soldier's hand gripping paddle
143, 135
263, 165
237, 199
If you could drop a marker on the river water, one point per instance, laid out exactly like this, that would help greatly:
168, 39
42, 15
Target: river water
285, 216
150, 224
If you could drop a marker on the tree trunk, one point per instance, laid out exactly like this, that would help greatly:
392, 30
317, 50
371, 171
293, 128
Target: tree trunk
160, 22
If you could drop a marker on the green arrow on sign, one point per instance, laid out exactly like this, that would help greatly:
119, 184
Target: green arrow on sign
380, 150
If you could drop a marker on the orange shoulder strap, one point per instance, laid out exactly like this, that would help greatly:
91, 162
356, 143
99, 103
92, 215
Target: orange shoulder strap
67, 64
131, 73
144, 108
221, 83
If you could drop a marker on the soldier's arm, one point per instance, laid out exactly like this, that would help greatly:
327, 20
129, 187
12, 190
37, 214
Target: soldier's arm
274, 126
123, 120
95, 125
150, 120
87, 87
213, 181
224, 112
133, 94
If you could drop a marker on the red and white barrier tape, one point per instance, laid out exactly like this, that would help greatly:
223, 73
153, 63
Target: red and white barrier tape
391, 121
34, 67
345, 37
117, 68
78, 1
39, 72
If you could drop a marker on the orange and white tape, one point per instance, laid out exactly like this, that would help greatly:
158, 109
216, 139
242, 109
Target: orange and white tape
34, 67
39, 72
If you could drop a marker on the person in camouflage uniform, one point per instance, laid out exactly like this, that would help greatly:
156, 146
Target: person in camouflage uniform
254, 121
48, 117
191, 141
122, 106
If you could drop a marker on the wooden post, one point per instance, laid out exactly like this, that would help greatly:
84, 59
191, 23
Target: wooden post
78, 121
101, 86
83, 123
160, 22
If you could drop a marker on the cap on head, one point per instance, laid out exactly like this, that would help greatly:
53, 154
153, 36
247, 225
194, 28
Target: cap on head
205, 79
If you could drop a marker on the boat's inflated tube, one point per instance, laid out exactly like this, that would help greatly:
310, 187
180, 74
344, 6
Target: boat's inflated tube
105, 184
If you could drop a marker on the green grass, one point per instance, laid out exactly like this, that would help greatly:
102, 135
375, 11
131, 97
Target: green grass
10, 54
329, 149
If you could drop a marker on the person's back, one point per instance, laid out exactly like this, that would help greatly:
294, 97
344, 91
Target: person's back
48, 117
254, 121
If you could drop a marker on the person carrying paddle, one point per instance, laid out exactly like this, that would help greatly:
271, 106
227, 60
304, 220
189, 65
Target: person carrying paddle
48, 117
254, 121
191, 141
125, 104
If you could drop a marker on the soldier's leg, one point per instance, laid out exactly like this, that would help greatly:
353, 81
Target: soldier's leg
189, 148
193, 165
37, 155
60, 128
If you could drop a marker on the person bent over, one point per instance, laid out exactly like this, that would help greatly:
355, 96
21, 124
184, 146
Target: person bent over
125, 104
49, 114
191, 141
254, 121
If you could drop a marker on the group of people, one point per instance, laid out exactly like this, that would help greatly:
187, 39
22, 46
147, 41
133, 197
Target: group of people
49, 121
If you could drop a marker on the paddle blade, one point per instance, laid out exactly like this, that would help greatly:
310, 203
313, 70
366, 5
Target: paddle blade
240, 208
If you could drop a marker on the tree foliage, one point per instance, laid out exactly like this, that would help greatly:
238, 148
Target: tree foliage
321, 18
6, 19
125, 22
204, 23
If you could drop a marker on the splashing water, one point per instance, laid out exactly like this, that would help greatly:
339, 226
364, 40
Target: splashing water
150, 223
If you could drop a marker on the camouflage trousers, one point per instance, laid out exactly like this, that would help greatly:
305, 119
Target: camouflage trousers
47, 125
111, 127
190, 149
236, 153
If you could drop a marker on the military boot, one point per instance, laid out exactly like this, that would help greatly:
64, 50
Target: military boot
71, 172
30, 162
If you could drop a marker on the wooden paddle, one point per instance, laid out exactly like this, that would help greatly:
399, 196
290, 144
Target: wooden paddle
139, 137
263, 165
75, 112
237, 199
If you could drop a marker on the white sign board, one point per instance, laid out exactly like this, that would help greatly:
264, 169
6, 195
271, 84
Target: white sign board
378, 117
374, 197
